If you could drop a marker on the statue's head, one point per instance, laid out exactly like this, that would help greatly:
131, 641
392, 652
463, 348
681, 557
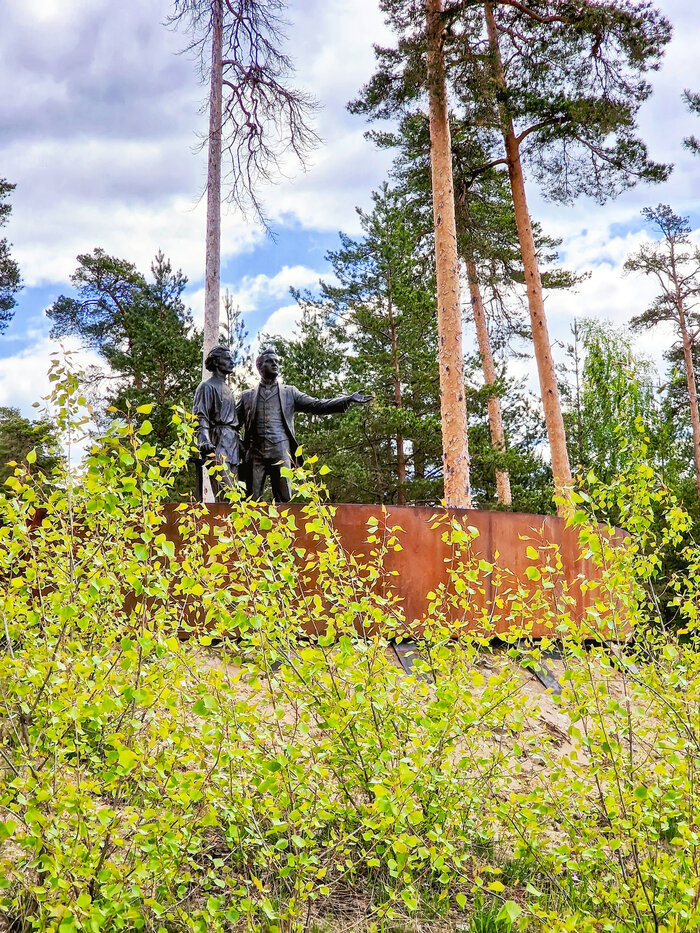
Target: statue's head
219, 359
268, 364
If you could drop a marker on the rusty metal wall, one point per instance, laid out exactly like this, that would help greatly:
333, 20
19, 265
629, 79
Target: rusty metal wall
503, 538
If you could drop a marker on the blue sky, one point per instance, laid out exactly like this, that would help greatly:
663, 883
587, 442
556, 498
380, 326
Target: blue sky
99, 119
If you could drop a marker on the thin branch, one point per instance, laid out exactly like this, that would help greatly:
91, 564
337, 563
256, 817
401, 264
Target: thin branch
554, 121
531, 13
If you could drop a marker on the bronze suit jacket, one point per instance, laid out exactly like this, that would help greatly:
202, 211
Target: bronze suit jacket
292, 400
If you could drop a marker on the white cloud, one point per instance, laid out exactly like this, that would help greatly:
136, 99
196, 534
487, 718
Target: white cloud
131, 231
282, 322
98, 121
24, 378
250, 291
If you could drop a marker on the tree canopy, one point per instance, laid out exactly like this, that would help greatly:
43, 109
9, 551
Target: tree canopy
142, 329
10, 281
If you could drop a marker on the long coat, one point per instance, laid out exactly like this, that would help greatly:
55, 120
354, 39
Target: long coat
217, 424
292, 400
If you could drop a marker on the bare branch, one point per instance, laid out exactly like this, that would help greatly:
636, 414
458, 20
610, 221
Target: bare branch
265, 123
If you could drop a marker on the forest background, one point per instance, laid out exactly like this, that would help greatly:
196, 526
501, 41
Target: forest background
113, 133
281, 783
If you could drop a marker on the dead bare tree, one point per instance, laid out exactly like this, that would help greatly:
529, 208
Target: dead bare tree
258, 125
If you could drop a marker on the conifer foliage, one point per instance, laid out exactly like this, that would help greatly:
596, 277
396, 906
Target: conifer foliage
10, 282
141, 329
553, 84
673, 263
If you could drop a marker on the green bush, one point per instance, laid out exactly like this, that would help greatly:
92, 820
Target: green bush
280, 782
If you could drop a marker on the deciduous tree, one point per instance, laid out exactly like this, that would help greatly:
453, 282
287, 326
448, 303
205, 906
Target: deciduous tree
607, 389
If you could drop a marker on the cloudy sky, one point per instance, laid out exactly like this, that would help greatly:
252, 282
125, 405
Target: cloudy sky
99, 123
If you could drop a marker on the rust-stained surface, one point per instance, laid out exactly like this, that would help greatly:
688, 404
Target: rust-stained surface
420, 567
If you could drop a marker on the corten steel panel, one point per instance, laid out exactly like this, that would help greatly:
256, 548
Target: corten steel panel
503, 539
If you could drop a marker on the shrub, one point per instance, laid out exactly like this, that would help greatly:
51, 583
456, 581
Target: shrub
273, 781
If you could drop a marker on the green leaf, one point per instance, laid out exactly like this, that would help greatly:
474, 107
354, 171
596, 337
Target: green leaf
145, 409
410, 899
510, 912
461, 900
127, 759
145, 428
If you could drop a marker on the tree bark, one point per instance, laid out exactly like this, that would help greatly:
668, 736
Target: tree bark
689, 372
212, 281
540, 333
453, 409
693, 398
494, 403
398, 400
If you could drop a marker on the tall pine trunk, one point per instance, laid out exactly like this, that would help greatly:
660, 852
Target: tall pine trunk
212, 281
489, 369
540, 334
689, 365
693, 398
453, 408
398, 401
689, 368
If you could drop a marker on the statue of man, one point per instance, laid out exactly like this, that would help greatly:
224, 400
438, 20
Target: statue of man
266, 413
215, 409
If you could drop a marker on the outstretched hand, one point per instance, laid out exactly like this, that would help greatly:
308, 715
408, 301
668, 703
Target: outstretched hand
361, 399
206, 451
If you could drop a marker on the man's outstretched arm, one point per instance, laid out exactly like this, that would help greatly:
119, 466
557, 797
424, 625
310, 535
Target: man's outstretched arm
309, 405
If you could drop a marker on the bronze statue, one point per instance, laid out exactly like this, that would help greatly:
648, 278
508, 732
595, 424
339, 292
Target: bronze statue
266, 414
217, 424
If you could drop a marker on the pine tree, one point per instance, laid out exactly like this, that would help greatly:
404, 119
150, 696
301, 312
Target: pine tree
19, 436
692, 102
315, 360
385, 299
560, 84
488, 246
453, 412
233, 334
372, 325
674, 264
141, 329
10, 282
